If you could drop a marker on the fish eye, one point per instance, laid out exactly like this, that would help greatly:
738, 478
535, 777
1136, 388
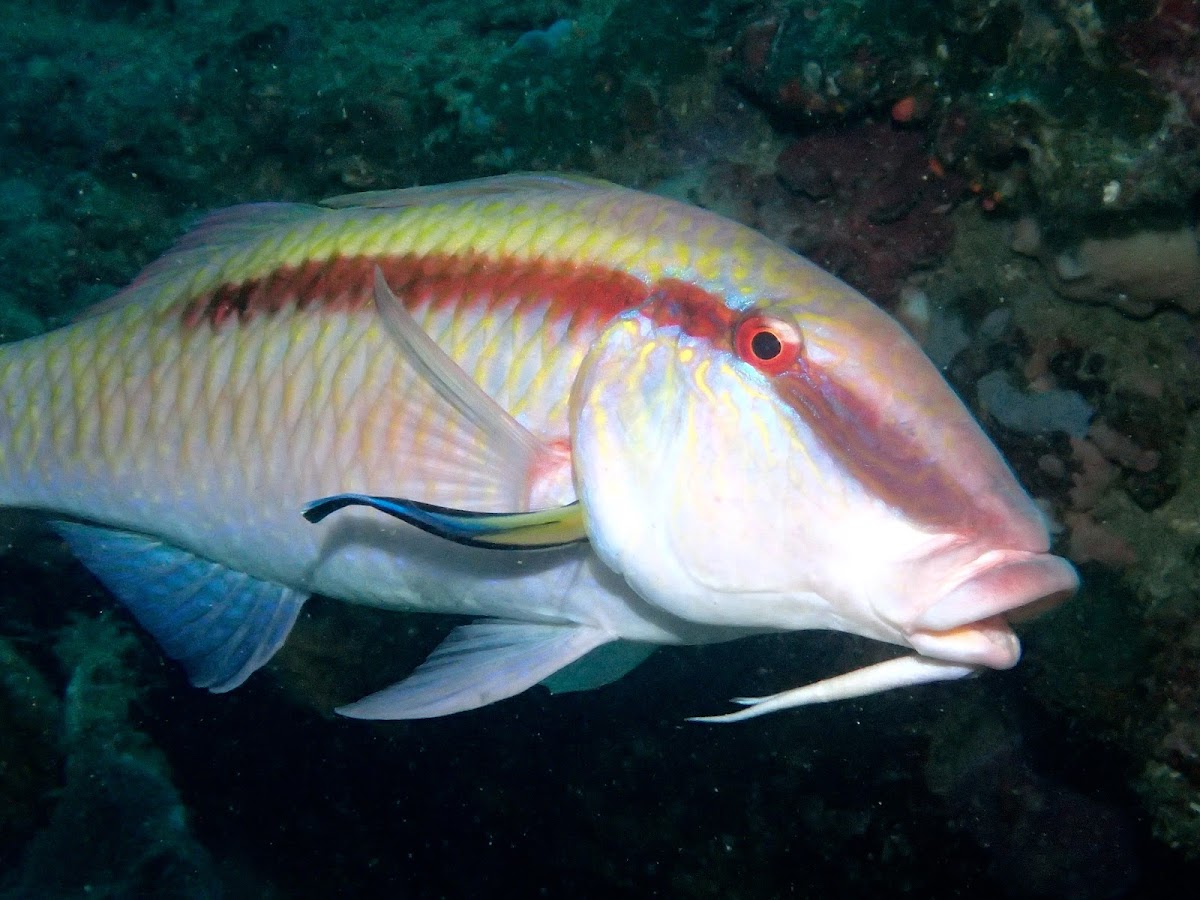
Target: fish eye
765, 345
769, 344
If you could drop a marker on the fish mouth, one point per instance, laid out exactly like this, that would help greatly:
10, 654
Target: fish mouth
970, 623
965, 630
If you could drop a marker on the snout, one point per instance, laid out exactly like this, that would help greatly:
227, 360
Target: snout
970, 623
1012, 583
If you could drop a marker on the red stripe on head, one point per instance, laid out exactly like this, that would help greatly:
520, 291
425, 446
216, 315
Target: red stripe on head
890, 461
695, 311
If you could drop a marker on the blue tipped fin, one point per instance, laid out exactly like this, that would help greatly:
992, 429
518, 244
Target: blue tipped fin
538, 530
478, 664
222, 625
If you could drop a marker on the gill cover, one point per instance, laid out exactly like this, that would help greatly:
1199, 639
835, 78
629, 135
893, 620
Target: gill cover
682, 465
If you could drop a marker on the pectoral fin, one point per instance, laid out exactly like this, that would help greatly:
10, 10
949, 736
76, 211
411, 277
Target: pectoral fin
516, 452
499, 429
536, 530
479, 664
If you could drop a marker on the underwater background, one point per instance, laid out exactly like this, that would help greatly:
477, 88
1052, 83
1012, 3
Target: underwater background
1017, 180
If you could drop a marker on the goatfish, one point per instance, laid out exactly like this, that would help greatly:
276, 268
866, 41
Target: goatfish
595, 420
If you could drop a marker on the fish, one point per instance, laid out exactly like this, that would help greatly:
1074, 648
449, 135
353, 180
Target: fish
593, 420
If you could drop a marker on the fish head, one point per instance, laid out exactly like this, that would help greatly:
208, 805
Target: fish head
795, 461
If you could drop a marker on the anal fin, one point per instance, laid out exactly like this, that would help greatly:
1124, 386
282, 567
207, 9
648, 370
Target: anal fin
221, 624
478, 664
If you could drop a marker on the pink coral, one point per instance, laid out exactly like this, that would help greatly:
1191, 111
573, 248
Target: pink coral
1099, 459
1093, 541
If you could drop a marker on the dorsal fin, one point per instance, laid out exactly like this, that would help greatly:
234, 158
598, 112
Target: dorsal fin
516, 183
234, 225
209, 238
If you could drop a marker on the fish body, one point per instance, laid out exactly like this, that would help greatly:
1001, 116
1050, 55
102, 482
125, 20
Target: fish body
505, 346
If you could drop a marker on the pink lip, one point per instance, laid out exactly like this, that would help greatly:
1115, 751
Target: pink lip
1019, 582
988, 643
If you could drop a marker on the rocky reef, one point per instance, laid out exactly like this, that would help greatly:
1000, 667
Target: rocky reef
117, 826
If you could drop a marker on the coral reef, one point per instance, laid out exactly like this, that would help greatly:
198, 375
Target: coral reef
866, 203
833, 61
1071, 109
29, 744
1037, 412
118, 827
1139, 273
1164, 43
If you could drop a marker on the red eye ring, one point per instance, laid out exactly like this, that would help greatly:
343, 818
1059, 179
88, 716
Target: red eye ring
770, 344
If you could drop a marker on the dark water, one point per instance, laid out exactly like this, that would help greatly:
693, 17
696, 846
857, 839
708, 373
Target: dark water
1017, 180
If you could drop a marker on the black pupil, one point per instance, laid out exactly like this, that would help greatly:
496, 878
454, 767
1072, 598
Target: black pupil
766, 345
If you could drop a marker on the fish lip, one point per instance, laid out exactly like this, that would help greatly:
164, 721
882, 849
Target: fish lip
989, 643
1014, 584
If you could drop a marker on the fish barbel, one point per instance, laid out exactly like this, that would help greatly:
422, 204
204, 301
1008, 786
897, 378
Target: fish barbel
597, 419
